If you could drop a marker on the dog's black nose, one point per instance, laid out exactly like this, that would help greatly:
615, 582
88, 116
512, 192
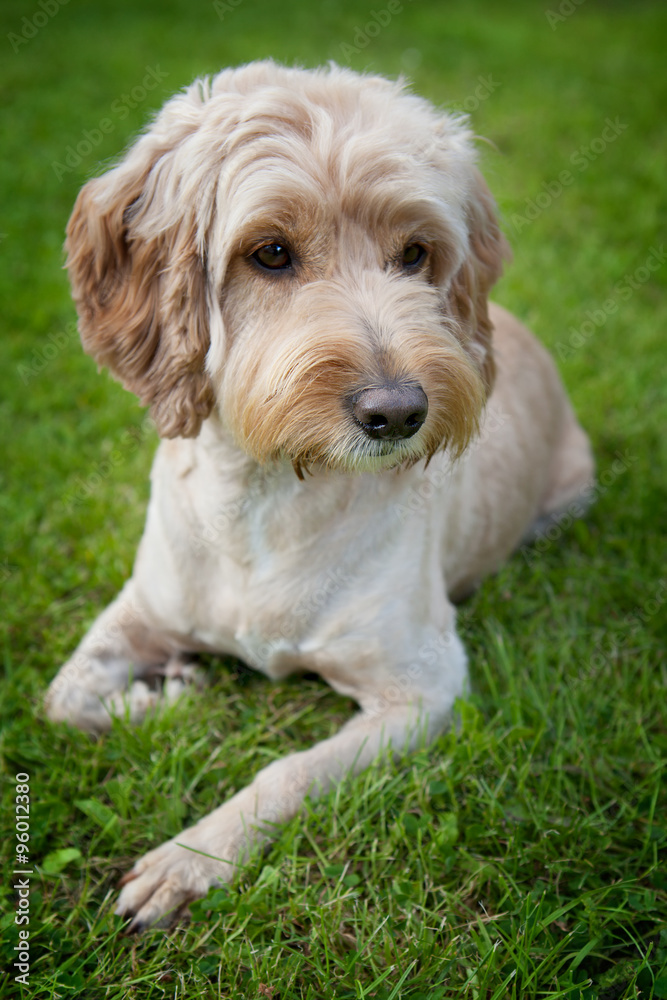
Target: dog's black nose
391, 412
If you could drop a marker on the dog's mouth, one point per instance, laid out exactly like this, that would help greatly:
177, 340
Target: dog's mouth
395, 450
360, 456
364, 454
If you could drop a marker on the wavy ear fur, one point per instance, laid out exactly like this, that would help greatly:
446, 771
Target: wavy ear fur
139, 285
479, 272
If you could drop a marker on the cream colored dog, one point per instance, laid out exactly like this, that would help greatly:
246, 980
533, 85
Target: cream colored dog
292, 268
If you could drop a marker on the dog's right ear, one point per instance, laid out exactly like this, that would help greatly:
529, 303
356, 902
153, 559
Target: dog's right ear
487, 248
139, 283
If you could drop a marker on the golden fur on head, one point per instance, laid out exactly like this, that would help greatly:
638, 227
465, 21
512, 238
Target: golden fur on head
345, 171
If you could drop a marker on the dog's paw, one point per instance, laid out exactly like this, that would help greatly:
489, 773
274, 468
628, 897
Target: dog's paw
165, 880
82, 695
93, 712
180, 676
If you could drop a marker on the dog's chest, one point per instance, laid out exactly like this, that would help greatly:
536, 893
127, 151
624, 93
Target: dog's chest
267, 567
287, 575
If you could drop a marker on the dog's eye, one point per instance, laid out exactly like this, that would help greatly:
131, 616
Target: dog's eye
273, 256
413, 254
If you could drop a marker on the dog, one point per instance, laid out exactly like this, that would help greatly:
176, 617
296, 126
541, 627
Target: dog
291, 268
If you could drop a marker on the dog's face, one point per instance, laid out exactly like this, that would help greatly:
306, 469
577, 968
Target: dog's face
310, 254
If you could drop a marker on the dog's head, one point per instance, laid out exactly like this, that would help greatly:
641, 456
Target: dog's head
307, 253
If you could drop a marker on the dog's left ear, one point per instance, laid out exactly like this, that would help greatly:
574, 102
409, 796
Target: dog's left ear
480, 270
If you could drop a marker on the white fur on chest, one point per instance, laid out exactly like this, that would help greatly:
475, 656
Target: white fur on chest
256, 563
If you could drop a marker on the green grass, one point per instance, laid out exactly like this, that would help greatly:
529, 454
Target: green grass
522, 856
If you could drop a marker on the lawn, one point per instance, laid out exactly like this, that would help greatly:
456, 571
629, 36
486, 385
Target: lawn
521, 856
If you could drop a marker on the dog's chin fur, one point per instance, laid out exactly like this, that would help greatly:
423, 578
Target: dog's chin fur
377, 457
366, 456
358, 454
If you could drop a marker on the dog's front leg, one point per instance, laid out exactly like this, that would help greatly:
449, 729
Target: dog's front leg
208, 853
103, 677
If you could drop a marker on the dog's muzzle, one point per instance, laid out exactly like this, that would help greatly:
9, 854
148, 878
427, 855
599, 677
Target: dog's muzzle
390, 412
